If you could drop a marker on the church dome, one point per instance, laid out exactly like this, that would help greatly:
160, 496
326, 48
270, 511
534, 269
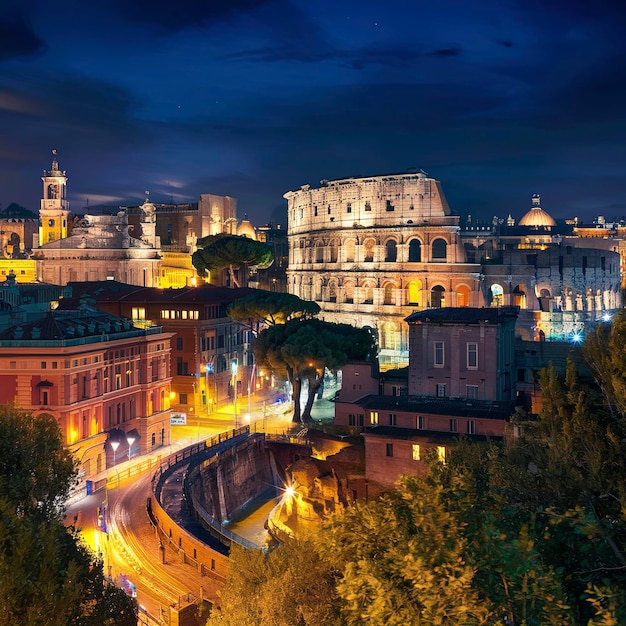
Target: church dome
246, 229
537, 217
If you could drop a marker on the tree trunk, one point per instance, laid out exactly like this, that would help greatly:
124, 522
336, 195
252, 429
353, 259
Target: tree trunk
314, 385
233, 280
297, 390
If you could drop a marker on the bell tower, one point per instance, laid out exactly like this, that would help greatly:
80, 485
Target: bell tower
54, 211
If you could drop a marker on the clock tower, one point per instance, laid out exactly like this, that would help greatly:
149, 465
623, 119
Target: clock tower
54, 211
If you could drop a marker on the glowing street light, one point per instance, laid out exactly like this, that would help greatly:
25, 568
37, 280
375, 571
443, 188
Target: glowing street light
115, 445
130, 439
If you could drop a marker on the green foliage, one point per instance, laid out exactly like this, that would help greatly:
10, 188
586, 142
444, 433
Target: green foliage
301, 350
270, 308
530, 531
217, 252
46, 575
290, 586
36, 472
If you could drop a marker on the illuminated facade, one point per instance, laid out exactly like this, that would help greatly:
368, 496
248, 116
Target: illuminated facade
370, 251
206, 342
97, 375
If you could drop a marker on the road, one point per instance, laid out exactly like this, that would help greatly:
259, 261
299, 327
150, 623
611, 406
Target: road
128, 545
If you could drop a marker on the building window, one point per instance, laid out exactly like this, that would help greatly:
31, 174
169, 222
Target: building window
349, 207
392, 419
471, 427
472, 356
389, 449
439, 249
44, 398
182, 398
441, 454
138, 313
352, 419
471, 391
421, 422
179, 343
439, 354
454, 427
43, 365
441, 390
374, 417
416, 452
368, 206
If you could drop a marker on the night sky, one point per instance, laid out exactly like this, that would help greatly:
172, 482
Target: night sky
251, 98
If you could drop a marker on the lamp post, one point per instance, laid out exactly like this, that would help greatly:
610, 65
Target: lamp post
115, 445
130, 439
234, 366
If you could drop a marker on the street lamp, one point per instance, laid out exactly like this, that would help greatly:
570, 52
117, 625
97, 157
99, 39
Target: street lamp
115, 445
234, 366
130, 440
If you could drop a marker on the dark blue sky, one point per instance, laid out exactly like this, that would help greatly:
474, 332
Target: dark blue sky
252, 98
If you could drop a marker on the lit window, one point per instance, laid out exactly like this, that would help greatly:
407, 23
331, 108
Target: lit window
441, 453
374, 417
416, 452
439, 354
138, 313
472, 356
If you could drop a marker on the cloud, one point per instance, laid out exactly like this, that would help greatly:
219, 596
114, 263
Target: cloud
17, 37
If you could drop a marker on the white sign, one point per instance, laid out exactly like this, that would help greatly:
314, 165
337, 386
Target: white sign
178, 419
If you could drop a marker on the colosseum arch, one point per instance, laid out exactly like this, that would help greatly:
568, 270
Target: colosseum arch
415, 251
438, 297
439, 249
367, 293
332, 251
348, 292
349, 249
462, 295
368, 247
332, 291
319, 251
391, 251
318, 284
390, 337
389, 293
414, 293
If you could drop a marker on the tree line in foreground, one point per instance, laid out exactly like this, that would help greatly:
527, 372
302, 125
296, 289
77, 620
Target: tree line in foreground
48, 577
527, 531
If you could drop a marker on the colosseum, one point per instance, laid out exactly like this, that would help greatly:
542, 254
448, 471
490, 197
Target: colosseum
373, 250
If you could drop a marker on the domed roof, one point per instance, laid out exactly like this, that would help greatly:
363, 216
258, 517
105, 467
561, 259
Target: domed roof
537, 217
246, 229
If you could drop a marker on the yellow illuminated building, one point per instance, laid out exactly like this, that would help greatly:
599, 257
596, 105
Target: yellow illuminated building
25, 270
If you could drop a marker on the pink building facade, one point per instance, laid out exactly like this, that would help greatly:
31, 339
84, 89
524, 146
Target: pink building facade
460, 381
101, 378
